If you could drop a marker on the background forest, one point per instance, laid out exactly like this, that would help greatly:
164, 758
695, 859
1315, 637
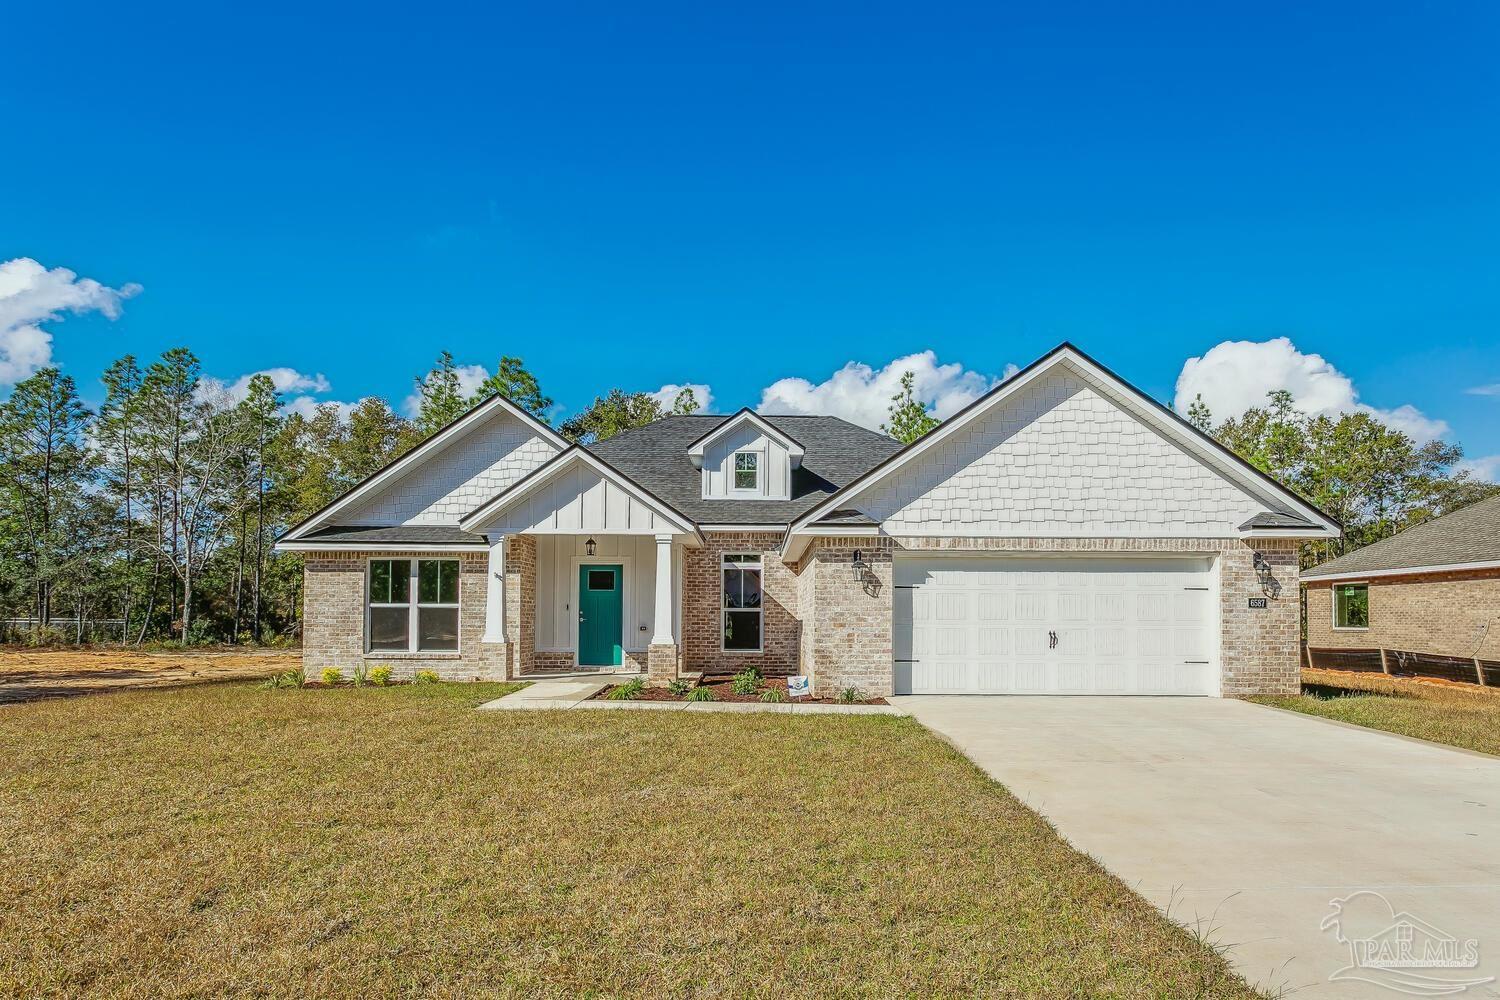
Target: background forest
152, 519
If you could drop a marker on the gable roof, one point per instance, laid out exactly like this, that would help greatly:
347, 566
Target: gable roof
747, 416
1281, 499
656, 456
433, 443
1467, 538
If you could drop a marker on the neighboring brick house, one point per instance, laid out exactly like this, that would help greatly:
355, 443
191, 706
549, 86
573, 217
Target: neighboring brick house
1433, 588
1063, 534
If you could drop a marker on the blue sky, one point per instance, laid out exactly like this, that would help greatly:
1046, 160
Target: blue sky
642, 196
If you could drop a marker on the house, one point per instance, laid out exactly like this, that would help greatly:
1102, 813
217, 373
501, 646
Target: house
1063, 534
1433, 588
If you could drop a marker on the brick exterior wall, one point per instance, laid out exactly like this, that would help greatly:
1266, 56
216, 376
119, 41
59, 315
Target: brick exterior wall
702, 601
1449, 614
847, 633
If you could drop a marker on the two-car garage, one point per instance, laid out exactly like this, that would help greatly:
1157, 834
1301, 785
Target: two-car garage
1083, 625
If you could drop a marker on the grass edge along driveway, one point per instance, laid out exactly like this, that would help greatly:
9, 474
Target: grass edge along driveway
395, 842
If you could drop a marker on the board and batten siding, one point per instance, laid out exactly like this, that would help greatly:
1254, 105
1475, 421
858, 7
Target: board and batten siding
718, 466
482, 463
556, 578
1059, 459
577, 499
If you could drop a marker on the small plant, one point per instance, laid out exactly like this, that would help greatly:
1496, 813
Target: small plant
361, 674
746, 682
702, 694
677, 687
629, 691
773, 695
425, 677
332, 676
850, 696
297, 678
380, 676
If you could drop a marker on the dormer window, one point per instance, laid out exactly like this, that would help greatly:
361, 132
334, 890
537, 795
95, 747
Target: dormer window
746, 471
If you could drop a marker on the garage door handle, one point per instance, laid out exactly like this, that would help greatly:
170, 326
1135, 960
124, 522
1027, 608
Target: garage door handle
1052, 640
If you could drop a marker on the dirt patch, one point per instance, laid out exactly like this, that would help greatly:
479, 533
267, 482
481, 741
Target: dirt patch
26, 675
723, 689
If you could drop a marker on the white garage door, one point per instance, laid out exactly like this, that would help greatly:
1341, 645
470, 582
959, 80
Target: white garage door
1053, 626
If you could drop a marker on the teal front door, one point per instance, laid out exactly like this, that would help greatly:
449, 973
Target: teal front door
601, 612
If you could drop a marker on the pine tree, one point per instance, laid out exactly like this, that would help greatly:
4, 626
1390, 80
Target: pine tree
1199, 415
909, 419
440, 400
515, 383
686, 402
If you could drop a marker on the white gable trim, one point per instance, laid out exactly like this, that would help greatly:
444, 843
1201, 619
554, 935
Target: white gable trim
793, 447
421, 453
573, 456
1402, 571
1199, 446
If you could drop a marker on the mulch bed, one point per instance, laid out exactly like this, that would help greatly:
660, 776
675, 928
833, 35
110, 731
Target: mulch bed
723, 689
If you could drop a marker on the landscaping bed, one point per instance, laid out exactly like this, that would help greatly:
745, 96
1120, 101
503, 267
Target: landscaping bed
723, 688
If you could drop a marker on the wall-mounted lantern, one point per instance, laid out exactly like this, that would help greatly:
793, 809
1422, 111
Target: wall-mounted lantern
589, 546
1269, 585
858, 566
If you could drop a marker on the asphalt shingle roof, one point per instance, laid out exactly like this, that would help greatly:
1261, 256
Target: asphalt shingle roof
410, 534
1468, 535
655, 456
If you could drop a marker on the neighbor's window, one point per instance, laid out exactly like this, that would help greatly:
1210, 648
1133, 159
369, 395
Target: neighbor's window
742, 611
428, 624
1351, 605
746, 470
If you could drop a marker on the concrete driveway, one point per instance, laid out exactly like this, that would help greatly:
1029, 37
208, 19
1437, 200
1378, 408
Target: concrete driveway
1247, 822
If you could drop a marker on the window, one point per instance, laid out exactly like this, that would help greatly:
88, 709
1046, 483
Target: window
1351, 605
601, 579
742, 611
428, 624
746, 470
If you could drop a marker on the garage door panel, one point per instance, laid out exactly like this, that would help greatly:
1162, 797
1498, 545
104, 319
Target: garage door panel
1053, 625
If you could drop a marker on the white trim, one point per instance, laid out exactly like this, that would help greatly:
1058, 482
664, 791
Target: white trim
413, 607
360, 548
742, 527
794, 450
626, 608
494, 592
1404, 571
661, 607
433, 444
724, 609
495, 505
735, 489
1067, 356
1333, 607
1296, 534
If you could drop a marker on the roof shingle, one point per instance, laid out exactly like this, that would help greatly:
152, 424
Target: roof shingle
1468, 535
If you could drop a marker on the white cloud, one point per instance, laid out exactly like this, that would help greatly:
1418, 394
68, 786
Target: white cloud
1486, 467
862, 394
1492, 389
285, 380
667, 395
470, 378
308, 407
1236, 375
30, 295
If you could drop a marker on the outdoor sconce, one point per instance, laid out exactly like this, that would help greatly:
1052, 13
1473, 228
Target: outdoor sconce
858, 566
588, 546
1269, 585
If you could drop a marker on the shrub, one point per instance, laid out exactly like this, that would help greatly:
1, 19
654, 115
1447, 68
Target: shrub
677, 687
290, 679
425, 677
297, 677
629, 691
361, 674
380, 676
773, 695
746, 682
199, 633
850, 695
702, 694
332, 676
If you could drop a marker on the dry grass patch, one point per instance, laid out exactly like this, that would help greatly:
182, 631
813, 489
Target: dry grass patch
1466, 717
377, 842
28, 674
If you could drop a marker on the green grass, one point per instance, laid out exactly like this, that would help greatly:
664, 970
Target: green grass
391, 841
1460, 717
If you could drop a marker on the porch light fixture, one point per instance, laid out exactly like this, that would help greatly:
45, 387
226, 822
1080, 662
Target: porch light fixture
858, 566
1269, 585
588, 546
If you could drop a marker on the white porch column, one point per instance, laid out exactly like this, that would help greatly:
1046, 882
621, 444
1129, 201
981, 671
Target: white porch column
494, 592
663, 618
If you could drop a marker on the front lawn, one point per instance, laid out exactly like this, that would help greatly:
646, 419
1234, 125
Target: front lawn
371, 842
1445, 713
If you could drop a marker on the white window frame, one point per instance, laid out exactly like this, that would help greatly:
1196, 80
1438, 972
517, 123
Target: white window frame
742, 560
1333, 606
734, 472
413, 605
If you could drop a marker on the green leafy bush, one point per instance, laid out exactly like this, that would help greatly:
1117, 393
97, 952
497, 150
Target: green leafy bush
746, 682
332, 676
773, 695
380, 676
702, 694
425, 677
361, 674
629, 691
677, 687
850, 695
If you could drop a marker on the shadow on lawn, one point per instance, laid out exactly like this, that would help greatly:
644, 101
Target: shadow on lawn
1330, 692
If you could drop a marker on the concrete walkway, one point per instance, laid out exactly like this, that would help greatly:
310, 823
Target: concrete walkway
1247, 823
575, 694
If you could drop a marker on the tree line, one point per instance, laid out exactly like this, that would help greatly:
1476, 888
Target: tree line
158, 510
